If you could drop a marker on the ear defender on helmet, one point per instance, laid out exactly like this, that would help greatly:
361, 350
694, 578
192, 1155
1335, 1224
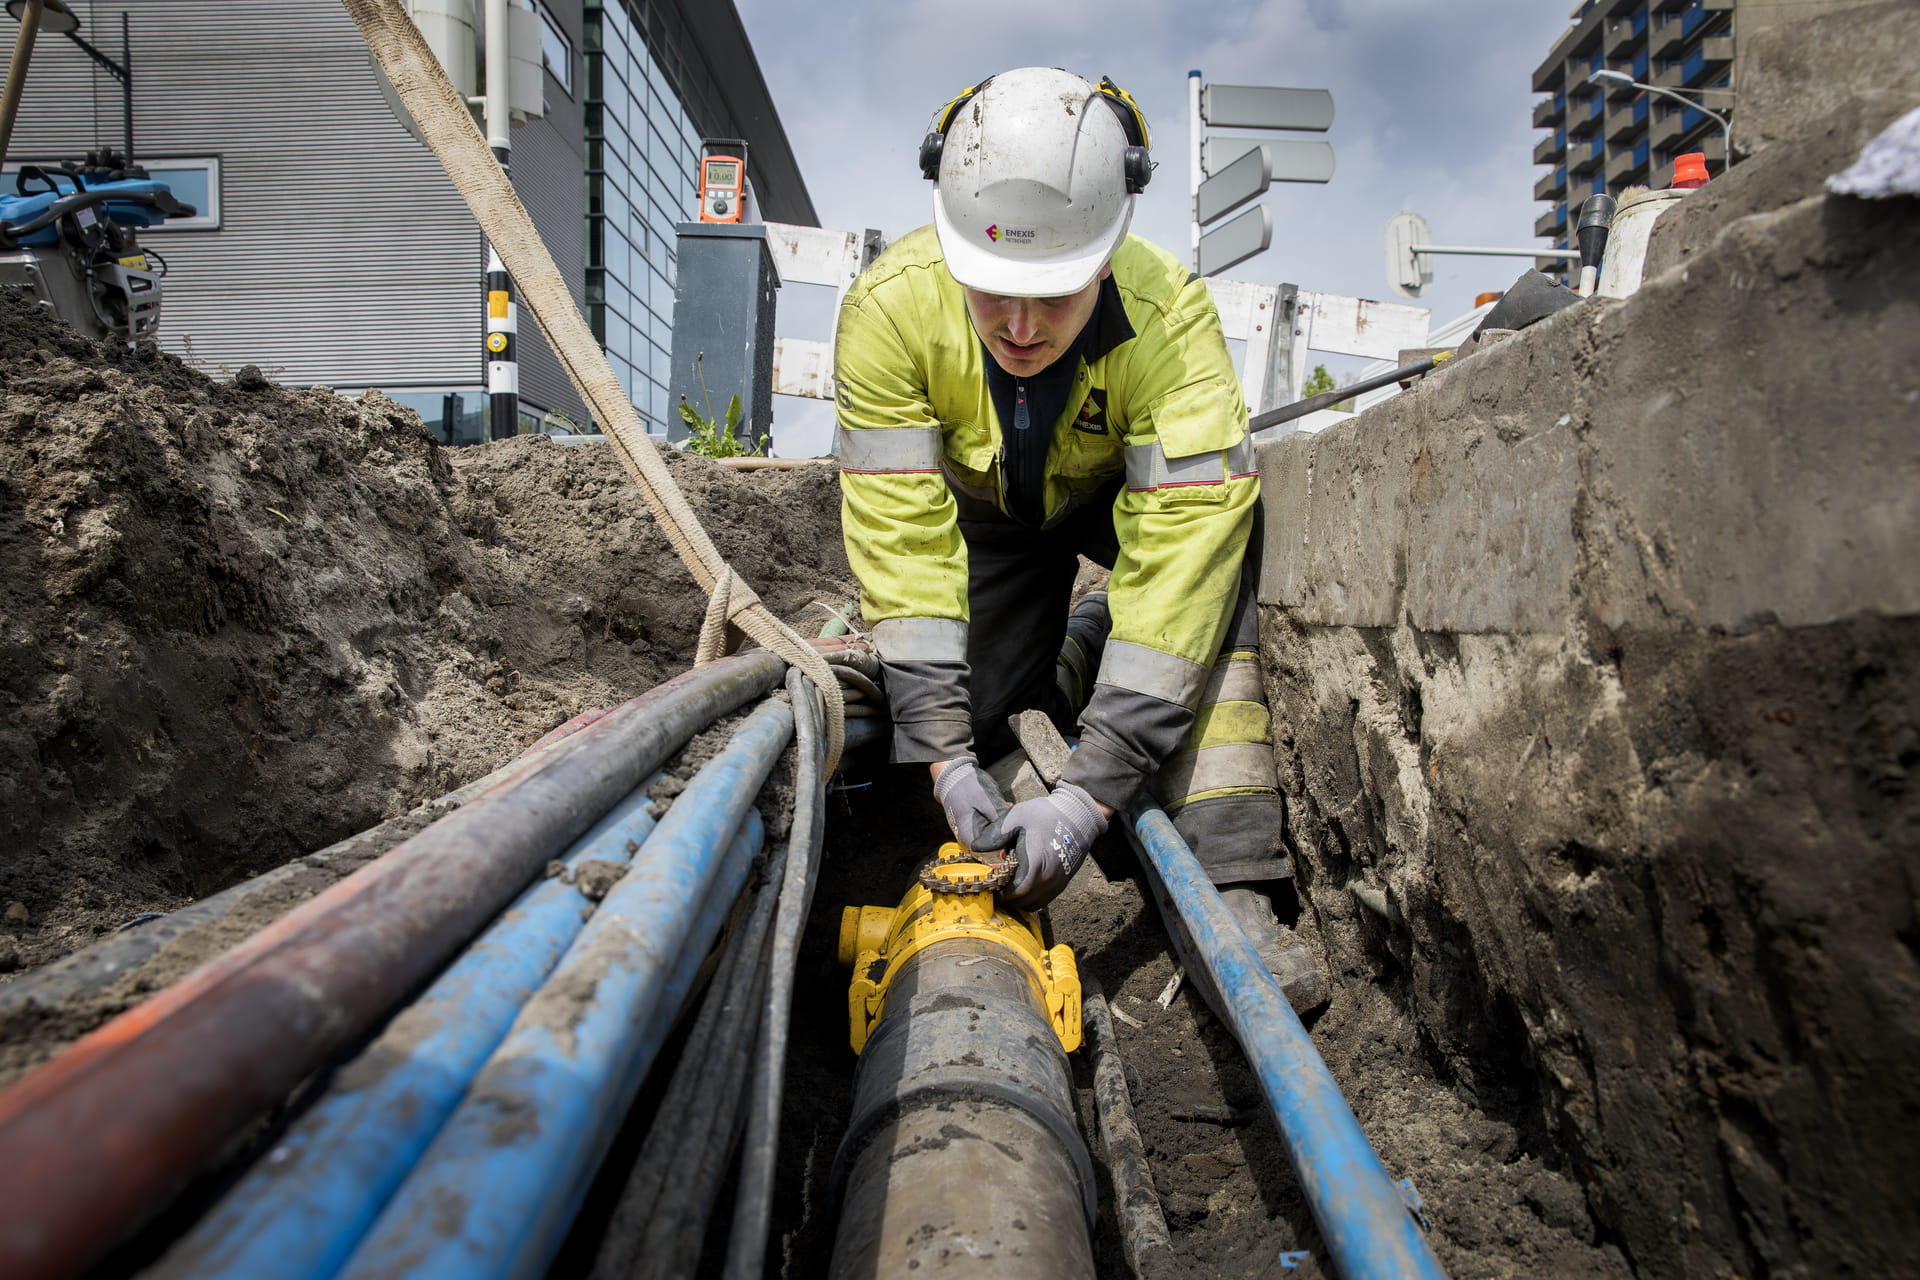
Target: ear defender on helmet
1134, 124
936, 140
1139, 165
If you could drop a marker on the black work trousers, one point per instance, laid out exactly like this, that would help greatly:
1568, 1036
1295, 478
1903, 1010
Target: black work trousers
1019, 585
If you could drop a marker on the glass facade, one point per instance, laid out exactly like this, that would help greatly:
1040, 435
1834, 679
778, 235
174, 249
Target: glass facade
454, 417
642, 156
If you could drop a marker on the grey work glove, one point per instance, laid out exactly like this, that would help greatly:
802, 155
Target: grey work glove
1049, 837
971, 798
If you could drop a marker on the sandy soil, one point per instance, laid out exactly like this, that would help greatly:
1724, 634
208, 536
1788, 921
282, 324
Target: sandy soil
239, 623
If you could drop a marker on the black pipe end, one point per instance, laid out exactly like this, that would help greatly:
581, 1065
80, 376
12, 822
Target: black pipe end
1596, 218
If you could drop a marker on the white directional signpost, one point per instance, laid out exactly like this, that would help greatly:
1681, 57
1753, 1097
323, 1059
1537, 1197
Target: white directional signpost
1301, 161
1410, 251
1228, 171
1235, 241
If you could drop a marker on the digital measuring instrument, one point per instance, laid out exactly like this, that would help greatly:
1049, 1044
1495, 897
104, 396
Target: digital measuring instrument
723, 182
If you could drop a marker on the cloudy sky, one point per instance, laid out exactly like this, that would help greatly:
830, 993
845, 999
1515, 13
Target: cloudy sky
1432, 112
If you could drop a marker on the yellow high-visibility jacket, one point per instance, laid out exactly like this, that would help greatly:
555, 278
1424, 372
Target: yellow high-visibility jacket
1163, 408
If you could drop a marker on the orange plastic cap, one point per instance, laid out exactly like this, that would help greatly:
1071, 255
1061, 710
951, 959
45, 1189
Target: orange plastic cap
1689, 171
1482, 299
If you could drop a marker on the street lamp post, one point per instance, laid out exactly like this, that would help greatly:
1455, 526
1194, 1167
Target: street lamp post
1621, 80
55, 18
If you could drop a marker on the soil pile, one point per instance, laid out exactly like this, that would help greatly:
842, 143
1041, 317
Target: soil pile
239, 622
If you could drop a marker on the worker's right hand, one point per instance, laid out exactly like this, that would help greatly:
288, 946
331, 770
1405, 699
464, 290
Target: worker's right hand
970, 797
1049, 836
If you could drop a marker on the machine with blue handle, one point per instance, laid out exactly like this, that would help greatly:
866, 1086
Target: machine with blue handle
69, 242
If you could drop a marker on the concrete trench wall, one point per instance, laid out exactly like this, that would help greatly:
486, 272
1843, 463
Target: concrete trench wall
1599, 653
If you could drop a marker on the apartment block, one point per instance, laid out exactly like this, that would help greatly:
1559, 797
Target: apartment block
1607, 137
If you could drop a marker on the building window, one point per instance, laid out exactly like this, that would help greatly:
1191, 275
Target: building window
194, 181
454, 417
556, 50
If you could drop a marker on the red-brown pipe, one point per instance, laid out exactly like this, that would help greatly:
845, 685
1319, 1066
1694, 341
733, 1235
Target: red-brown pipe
98, 1138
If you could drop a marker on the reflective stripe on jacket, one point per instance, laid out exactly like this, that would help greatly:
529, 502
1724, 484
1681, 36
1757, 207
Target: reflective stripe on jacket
1163, 408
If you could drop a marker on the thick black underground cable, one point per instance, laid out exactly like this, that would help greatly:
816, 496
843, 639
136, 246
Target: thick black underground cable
684, 1117
105, 1132
753, 1203
118, 954
672, 1247
1143, 1225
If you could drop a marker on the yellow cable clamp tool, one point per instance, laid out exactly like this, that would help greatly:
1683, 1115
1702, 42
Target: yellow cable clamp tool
954, 901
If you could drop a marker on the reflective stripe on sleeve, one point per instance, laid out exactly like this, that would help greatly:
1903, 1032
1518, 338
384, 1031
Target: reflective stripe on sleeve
1165, 676
1216, 723
1230, 766
1149, 467
1237, 680
921, 640
881, 450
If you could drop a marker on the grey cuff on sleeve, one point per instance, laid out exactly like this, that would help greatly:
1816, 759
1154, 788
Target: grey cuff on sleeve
932, 715
1102, 774
1126, 735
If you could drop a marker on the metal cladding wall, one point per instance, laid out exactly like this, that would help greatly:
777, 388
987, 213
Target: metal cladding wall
344, 256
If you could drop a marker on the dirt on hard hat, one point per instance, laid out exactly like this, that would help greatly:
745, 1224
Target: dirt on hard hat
241, 622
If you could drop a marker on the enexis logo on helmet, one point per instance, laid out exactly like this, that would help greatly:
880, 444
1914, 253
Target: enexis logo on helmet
1023, 237
993, 233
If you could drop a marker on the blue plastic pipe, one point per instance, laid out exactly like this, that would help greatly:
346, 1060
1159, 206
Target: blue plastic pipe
300, 1211
1369, 1230
495, 1193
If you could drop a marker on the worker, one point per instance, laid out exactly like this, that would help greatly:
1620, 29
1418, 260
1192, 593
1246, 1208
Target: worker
1020, 384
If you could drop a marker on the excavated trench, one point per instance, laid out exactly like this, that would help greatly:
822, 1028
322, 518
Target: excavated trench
1599, 782
243, 622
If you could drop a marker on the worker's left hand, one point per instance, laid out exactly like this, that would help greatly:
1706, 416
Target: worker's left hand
971, 799
1049, 837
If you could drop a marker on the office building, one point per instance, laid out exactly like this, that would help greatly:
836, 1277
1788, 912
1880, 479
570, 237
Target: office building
330, 248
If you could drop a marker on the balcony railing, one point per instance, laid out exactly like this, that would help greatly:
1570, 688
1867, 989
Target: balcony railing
1666, 38
1626, 121
1585, 113
1665, 128
1707, 61
1626, 33
1702, 13
1581, 160
1549, 223
1548, 111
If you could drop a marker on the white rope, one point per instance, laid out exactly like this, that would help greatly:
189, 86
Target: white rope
730, 596
449, 128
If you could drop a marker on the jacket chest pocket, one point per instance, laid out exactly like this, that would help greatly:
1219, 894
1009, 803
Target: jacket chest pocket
1086, 444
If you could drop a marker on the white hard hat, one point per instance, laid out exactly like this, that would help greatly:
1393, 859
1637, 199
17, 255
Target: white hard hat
1032, 195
